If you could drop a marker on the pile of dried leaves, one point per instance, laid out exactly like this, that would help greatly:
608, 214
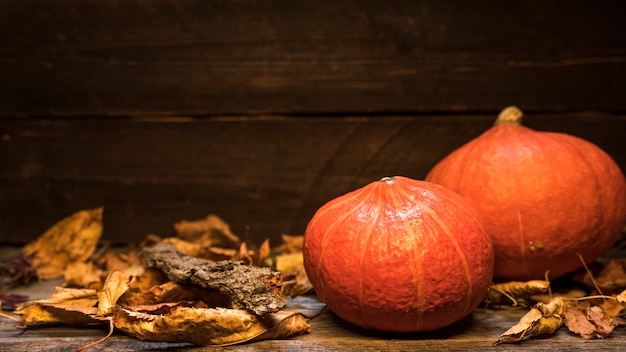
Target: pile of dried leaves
590, 307
205, 286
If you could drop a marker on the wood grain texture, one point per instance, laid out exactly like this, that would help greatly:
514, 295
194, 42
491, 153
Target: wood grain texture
328, 333
265, 176
196, 57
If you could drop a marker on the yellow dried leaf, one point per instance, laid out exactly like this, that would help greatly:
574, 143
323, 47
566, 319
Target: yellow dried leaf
289, 262
208, 326
72, 239
542, 319
514, 291
115, 285
116, 261
83, 275
65, 305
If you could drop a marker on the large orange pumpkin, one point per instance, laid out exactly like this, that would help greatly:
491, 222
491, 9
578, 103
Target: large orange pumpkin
398, 255
544, 197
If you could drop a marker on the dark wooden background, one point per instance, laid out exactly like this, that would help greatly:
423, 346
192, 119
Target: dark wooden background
261, 111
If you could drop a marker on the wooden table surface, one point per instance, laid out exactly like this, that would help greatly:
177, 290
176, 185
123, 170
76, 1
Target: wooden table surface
328, 333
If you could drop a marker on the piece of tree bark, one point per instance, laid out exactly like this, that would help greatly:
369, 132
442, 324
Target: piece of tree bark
255, 289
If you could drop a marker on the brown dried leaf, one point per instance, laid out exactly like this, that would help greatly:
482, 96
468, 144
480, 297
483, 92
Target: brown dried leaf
211, 231
172, 292
72, 239
210, 326
297, 284
577, 322
604, 323
149, 278
590, 322
609, 276
542, 319
515, 291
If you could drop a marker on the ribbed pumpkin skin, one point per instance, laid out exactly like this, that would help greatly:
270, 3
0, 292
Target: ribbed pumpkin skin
398, 255
542, 196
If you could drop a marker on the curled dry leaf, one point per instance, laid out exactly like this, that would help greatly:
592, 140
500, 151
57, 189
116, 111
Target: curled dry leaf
72, 239
116, 284
208, 326
542, 319
297, 284
515, 291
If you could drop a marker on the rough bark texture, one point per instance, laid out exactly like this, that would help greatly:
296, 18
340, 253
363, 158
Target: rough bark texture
255, 289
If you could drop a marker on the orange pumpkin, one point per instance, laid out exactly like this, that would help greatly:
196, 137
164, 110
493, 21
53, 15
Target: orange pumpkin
398, 255
544, 197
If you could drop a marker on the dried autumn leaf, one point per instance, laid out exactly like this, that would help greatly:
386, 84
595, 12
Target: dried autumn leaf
72, 239
173, 292
115, 285
577, 322
126, 262
612, 307
208, 326
590, 322
83, 275
289, 262
297, 284
542, 319
292, 243
514, 291
608, 276
65, 305
604, 323
211, 231
17, 271
149, 278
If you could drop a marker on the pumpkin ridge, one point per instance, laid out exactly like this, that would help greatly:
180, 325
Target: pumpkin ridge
367, 239
418, 269
329, 232
459, 251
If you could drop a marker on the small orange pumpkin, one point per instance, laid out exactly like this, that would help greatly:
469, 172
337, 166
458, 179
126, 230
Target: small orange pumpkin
544, 197
398, 255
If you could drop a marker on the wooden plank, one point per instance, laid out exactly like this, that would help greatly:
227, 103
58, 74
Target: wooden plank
265, 176
196, 57
328, 333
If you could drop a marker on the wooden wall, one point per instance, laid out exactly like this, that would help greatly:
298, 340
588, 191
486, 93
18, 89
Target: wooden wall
261, 111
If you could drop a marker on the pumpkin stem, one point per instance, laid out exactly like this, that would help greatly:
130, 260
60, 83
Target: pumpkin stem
510, 116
